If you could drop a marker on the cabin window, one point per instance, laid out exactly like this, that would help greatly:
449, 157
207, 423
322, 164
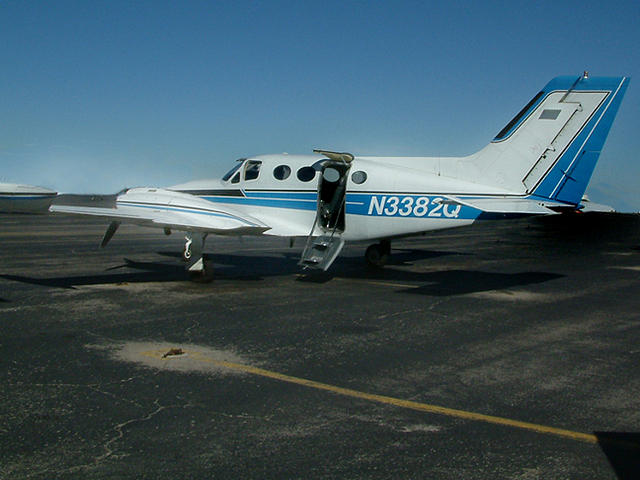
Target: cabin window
236, 178
252, 170
306, 174
282, 172
230, 173
359, 177
331, 175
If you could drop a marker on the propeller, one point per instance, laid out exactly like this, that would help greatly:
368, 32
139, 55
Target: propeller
108, 235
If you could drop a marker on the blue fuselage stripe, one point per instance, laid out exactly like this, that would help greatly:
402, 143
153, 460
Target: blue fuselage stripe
406, 205
281, 201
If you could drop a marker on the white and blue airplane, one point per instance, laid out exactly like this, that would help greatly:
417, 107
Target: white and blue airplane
539, 163
16, 198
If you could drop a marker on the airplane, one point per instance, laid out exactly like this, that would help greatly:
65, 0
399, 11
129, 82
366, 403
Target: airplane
540, 163
16, 198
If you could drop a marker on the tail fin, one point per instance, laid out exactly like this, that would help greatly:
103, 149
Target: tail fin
551, 147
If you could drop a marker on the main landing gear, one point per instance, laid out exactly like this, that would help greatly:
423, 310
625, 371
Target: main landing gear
199, 269
377, 255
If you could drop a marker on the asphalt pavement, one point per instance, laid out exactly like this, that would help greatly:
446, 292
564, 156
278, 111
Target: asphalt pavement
506, 349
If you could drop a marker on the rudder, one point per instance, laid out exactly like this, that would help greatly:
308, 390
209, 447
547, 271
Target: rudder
550, 148
567, 179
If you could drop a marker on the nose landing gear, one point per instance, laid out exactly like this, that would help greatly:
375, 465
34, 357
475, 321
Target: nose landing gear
199, 269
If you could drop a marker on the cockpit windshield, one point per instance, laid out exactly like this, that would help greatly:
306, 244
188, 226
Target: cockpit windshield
235, 168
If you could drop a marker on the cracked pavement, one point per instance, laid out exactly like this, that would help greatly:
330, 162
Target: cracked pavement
533, 320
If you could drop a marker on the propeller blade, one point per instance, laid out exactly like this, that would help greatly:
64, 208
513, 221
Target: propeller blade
109, 233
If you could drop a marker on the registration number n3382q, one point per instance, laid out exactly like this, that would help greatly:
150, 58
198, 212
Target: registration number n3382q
412, 206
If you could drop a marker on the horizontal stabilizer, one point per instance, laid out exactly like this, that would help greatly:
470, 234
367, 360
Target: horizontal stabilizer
516, 206
589, 206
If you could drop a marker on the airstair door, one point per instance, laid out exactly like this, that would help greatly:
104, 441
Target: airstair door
325, 240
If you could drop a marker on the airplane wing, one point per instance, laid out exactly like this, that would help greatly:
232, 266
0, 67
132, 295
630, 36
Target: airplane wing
167, 209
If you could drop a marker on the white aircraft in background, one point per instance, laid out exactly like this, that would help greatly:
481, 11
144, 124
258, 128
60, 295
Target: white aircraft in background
15, 198
539, 163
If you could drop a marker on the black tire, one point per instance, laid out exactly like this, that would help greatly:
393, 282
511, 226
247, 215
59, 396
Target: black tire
377, 255
385, 245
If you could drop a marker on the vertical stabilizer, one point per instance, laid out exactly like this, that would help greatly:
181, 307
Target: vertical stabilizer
551, 146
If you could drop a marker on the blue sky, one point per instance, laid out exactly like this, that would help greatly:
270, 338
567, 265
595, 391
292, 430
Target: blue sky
97, 96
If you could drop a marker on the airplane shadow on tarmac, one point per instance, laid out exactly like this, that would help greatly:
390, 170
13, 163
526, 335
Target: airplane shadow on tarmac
588, 230
442, 283
259, 268
623, 452
170, 274
460, 282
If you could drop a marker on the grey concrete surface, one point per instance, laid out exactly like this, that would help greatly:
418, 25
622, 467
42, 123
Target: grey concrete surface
530, 320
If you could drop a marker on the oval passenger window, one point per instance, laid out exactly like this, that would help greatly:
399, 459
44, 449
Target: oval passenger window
359, 177
282, 172
331, 175
306, 174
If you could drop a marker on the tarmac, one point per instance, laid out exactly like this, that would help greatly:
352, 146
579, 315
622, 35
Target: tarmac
507, 349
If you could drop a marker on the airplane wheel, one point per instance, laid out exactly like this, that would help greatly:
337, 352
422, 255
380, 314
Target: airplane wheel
386, 247
377, 254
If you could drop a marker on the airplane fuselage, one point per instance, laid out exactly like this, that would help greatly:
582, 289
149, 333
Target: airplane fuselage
384, 198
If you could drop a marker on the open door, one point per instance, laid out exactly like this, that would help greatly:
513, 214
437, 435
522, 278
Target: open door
325, 240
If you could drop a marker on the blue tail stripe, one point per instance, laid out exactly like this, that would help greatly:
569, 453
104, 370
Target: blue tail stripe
570, 176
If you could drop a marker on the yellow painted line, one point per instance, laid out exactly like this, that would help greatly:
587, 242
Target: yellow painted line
421, 407
368, 282
379, 284
389, 284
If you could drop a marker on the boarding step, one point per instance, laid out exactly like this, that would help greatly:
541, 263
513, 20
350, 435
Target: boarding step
321, 252
321, 243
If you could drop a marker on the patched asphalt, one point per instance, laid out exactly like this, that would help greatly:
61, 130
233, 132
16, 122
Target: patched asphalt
357, 373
